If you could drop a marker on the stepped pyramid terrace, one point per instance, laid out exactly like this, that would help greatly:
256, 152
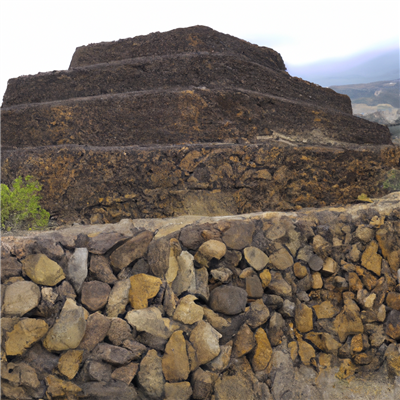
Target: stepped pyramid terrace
190, 121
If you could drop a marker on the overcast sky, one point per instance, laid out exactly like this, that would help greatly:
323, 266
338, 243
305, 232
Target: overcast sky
41, 35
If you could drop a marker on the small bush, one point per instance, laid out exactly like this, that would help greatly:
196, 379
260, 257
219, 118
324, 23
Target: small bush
20, 208
392, 182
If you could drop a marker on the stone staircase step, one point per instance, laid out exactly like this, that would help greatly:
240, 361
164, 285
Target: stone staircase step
179, 116
106, 184
182, 40
210, 70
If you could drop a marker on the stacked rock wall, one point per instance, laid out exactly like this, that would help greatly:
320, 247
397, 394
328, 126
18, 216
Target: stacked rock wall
264, 306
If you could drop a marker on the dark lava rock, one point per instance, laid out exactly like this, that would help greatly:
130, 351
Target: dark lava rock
229, 300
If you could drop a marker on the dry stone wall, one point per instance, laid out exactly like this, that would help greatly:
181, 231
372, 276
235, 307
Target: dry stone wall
260, 306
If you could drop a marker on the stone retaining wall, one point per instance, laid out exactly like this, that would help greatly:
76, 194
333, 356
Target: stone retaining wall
260, 306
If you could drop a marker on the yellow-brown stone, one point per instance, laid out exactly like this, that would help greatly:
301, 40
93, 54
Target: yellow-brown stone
69, 363
370, 259
326, 310
25, 333
57, 387
244, 341
316, 281
348, 322
330, 267
143, 288
325, 360
346, 369
303, 317
356, 344
187, 311
209, 250
324, 341
392, 355
306, 351
174, 251
262, 352
175, 362
41, 270
299, 270
393, 300
294, 350
265, 277
355, 283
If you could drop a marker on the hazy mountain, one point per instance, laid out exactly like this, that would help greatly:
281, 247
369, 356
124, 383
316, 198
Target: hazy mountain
377, 101
383, 65
373, 94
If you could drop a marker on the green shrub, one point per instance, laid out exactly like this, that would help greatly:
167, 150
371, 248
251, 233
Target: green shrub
20, 208
392, 182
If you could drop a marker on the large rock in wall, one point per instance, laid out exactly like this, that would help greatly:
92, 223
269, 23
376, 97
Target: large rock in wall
109, 137
271, 306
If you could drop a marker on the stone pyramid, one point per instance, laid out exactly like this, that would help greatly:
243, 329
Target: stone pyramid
190, 121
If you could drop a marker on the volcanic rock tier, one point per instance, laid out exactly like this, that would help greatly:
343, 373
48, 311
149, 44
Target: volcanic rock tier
185, 91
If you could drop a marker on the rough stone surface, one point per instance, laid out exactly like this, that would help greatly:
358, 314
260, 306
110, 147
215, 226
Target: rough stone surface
244, 341
100, 269
57, 387
178, 391
209, 250
229, 300
77, 268
205, 340
175, 362
149, 320
186, 277
370, 259
97, 326
126, 373
281, 259
68, 330
42, 270
20, 297
262, 352
303, 318
254, 287
202, 383
393, 300
187, 311
150, 376
25, 333
102, 242
393, 325
221, 362
112, 354
233, 387
255, 258
131, 250
95, 295
98, 371
278, 285
143, 288
119, 298
239, 235
348, 322
10, 266
258, 314
119, 331
69, 363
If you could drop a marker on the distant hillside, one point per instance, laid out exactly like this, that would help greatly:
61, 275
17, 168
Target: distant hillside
377, 101
373, 94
